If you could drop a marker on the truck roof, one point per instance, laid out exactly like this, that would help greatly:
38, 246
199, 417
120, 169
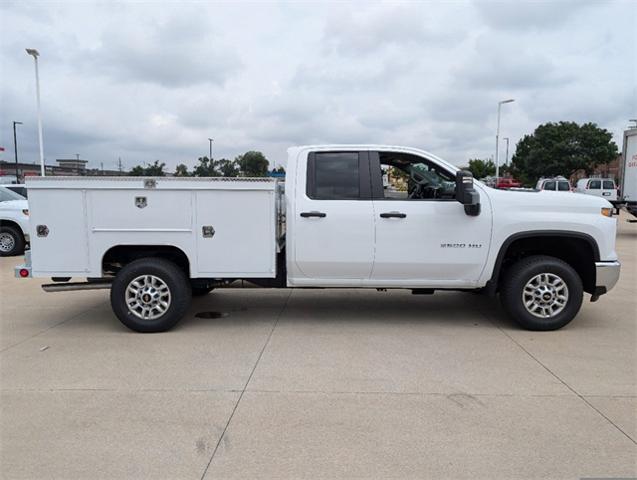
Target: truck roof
293, 152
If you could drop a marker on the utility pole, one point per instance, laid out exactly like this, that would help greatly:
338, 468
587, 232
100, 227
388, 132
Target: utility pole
102, 167
15, 148
119, 164
210, 157
506, 157
35, 54
497, 138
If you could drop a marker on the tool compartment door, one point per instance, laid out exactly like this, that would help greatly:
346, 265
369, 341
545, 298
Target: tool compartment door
235, 231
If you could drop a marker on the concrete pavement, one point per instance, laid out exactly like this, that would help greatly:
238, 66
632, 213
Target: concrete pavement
317, 384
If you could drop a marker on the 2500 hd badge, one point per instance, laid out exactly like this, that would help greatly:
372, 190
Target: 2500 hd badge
460, 245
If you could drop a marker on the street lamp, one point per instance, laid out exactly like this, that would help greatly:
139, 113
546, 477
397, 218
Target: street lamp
15, 148
35, 54
497, 139
506, 157
210, 157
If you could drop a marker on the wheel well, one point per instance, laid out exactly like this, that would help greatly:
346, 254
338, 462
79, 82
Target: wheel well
10, 223
117, 257
580, 252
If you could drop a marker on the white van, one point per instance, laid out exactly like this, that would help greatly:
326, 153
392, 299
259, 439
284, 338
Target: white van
600, 187
560, 184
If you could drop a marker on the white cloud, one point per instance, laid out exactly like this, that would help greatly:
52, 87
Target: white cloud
155, 80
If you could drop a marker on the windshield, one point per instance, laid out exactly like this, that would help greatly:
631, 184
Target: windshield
6, 195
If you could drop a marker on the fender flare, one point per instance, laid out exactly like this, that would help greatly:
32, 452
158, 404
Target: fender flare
492, 283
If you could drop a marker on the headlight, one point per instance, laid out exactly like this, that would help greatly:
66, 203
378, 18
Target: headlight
607, 212
26, 211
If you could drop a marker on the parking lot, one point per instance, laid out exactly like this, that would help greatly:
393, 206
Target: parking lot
317, 384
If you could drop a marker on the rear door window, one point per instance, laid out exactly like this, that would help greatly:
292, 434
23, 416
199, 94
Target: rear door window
609, 185
563, 186
337, 176
595, 184
550, 185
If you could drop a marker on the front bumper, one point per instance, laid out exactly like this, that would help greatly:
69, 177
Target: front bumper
606, 276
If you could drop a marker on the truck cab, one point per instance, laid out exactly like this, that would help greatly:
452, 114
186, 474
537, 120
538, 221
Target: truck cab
348, 216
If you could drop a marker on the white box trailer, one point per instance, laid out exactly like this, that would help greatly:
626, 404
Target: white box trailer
628, 172
77, 221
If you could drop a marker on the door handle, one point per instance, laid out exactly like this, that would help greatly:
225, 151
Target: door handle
393, 215
313, 214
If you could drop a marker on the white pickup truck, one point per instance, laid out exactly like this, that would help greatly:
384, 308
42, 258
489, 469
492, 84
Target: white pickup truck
156, 241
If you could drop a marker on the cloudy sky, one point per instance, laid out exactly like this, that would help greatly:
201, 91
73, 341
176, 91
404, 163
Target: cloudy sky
153, 80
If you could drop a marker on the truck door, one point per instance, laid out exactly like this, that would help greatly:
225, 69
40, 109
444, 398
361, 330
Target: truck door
423, 236
333, 224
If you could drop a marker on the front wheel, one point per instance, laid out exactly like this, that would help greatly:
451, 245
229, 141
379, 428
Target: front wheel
150, 295
541, 293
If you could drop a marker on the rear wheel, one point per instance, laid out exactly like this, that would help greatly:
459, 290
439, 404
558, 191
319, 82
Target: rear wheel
11, 241
150, 295
541, 293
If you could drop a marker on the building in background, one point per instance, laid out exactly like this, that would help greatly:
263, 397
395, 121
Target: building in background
72, 167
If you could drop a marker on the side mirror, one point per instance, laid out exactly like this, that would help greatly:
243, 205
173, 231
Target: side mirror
466, 194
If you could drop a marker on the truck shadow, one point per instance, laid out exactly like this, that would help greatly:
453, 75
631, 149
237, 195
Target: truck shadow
342, 306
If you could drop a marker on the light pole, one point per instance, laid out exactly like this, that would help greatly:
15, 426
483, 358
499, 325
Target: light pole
506, 157
210, 157
35, 54
15, 149
497, 139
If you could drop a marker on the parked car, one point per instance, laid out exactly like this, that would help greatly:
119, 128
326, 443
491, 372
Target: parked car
600, 187
18, 188
507, 182
156, 241
14, 223
559, 184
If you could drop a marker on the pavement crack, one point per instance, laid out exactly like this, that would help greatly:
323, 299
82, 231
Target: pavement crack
245, 387
556, 376
50, 328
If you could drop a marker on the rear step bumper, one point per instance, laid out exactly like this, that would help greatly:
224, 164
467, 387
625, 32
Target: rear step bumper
71, 286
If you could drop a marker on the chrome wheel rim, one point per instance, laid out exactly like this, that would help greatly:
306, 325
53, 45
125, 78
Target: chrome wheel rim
148, 297
545, 295
7, 242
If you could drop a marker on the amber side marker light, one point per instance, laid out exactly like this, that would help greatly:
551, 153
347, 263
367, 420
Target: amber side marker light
607, 212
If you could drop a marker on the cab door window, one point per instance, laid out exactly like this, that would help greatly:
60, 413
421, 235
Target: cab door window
404, 176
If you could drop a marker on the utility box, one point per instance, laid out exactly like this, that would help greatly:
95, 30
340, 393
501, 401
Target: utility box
226, 227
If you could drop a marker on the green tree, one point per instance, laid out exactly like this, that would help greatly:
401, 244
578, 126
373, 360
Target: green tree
206, 168
253, 164
481, 168
154, 170
228, 168
562, 149
181, 171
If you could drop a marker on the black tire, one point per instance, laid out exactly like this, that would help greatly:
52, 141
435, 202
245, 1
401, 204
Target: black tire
516, 278
12, 241
200, 291
172, 277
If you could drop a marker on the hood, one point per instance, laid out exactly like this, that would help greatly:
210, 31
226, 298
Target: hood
14, 205
546, 200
